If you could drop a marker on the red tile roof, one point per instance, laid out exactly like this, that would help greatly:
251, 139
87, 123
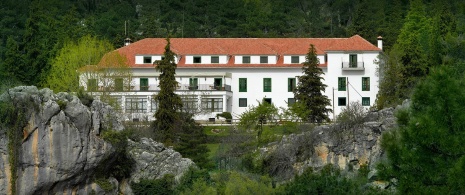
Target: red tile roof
241, 46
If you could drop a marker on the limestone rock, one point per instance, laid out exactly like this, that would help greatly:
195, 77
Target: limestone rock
59, 149
154, 160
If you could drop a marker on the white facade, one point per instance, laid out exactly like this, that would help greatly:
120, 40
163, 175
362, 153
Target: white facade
215, 82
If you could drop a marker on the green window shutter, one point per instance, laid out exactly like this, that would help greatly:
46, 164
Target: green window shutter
144, 84
353, 60
295, 59
341, 84
365, 83
193, 83
266, 84
365, 101
290, 84
242, 84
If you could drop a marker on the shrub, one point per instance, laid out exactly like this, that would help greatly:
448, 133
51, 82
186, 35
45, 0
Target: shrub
163, 186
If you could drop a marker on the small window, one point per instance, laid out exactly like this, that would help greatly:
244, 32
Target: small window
153, 105
267, 100
92, 85
242, 84
242, 102
295, 59
365, 101
326, 58
118, 84
266, 84
263, 59
290, 102
365, 83
147, 60
197, 60
341, 84
290, 84
341, 101
246, 59
215, 59
144, 84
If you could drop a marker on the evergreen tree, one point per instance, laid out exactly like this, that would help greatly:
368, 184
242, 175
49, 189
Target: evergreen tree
12, 67
311, 105
169, 104
426, 153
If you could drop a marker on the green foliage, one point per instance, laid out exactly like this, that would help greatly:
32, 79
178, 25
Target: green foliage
426, 151
256, 116
63, 74
169, 103
328, 181
163, 186
192, 142
311, 105
121, 164
84, 97
240, 184
106, 185
192, 176
226, 115
352, 115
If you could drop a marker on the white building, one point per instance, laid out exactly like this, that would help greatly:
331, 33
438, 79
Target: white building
231, 74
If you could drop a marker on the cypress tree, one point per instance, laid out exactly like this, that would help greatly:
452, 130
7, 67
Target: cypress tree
169, 103
311, 105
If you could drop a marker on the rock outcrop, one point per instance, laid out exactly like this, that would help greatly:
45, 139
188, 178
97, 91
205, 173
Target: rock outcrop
60, 147
154, 160
345, 148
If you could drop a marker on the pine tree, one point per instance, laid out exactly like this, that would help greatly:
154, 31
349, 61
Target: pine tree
311, 105
169, 104
426, 153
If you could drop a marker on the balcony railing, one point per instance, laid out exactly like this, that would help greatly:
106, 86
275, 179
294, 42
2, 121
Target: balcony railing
353, 66
181, 87
205, 87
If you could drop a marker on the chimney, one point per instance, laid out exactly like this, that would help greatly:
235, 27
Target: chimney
380, 42
127, 41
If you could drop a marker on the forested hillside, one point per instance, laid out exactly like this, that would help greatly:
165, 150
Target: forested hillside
34, 31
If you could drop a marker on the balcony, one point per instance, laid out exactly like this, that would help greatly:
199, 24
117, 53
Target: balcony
353, 66
205, 87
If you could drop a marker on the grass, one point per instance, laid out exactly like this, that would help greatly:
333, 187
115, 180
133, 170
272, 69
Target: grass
213, 149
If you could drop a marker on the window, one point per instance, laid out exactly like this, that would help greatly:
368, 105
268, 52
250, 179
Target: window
267, 100
212, 104
341, 84
190, 104
341, 101
118, 84
92, 85
218, 83
197, 60
266, 84
365, 83
263, 59
215, 59
365, 101
246, 59
242, 102
136, 105
154, 105
193, 83
147, 60
290, 84
144, 84
242, 84
294, 59
290, 102
353, 60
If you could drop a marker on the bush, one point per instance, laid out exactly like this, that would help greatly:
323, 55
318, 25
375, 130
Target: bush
85, 98
163, 186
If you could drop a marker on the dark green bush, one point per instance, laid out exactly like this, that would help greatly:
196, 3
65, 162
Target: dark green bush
163, 186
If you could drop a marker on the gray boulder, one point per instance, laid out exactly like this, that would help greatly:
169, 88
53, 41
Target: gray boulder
154, 160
